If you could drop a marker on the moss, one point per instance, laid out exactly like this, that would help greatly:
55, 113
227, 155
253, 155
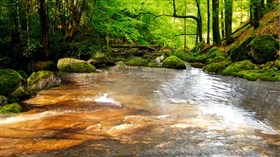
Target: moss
45, 65
42, 80
174, 62
207, 57
197, 64
217, 59
37, 76
277, 63
21, 93
263, 49
272, 74
251, 75
23, 74
11, 108
137, 61
198, 48
216, 67
240, 52
74, 65
181, 54
103, 59
9, 81
236, 67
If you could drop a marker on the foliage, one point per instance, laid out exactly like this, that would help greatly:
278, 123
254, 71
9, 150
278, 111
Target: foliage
11, 108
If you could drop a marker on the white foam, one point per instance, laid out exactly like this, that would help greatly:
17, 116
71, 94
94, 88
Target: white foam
105, 99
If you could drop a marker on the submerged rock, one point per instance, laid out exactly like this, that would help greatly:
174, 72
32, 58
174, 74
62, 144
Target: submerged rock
42, 80
10, 80
173, 62
263, 49
74, 66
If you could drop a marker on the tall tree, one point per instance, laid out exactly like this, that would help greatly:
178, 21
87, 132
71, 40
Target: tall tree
215, 22
208, 22
43, 12
228, 17
255, 7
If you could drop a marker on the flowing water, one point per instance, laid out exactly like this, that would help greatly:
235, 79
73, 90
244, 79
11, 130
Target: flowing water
137, 111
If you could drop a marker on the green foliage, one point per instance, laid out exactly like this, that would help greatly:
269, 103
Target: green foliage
137, 61
10, 80
74, 65
11, 108
174, 63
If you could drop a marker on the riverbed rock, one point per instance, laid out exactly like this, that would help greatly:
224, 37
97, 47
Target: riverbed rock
263, 49
21, 93
10, 80
74, 66
3, 100
42, 80
174, 63
11, 108
235, 68
277, 63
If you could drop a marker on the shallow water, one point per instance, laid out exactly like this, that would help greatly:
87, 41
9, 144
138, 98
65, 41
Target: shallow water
138, 111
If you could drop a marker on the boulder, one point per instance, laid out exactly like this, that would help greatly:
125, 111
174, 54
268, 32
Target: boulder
75, 66
240, 52
21, 93
10, 80
277, 63
174, 63
42, 80
3, 100
137, 61
11, 108
263, 49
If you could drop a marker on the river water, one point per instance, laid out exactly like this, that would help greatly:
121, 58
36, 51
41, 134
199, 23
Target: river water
139, 111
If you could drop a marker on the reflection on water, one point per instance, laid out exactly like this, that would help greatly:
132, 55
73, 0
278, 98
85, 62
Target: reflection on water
137, 111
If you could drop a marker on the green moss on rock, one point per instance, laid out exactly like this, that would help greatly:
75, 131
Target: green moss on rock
74, 66
11, 108
42, 80
21, 93
216, 67
263, 49
272, 74
152, 64
240, 52
251, 75
174, 63
10, 80
236, 67
197, 64
3, 100
277, 63
137, 61
102, 60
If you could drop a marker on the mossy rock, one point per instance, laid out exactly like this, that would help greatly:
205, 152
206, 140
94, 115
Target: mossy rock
251, 75
197, 64
174, 63
236, 67
229, 41
45, 65
181, 54
102, 60
21, 93
3, 100
277, 63
137, 61
240, 52
207, 57
216, 67
10, 80
263, 49
272, 74
11, 108
152, 64
72, 65
42, 80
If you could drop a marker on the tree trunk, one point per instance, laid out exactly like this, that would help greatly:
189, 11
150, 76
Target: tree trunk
222, 20
199, 22
208, 21
255, 7
228, 17
43, 12
215, 22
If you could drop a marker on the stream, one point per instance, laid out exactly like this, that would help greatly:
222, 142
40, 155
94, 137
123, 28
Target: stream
140, 111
